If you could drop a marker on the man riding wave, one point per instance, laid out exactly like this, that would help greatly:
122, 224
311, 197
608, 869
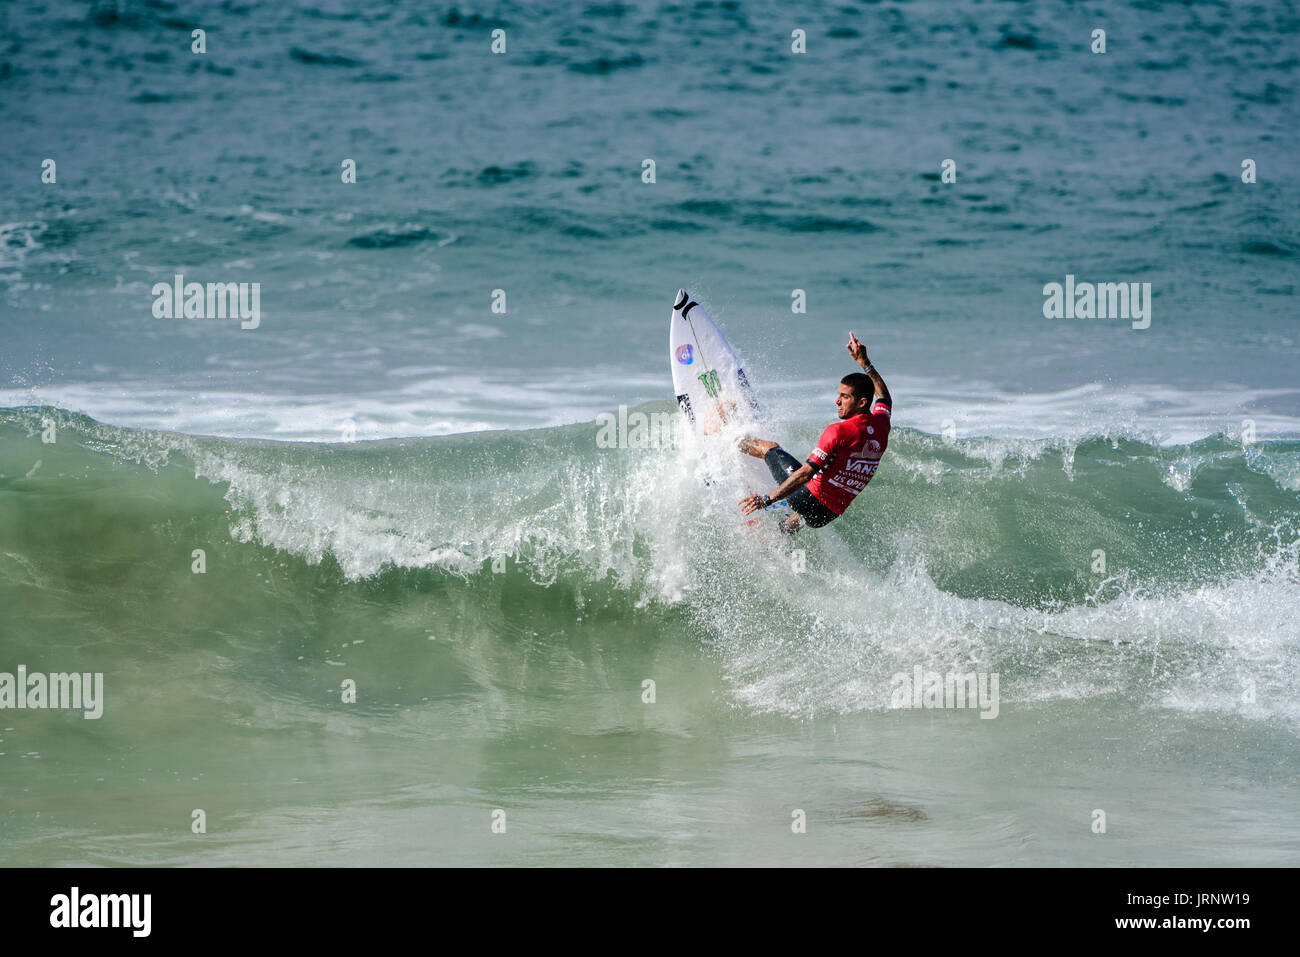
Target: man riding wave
846, 456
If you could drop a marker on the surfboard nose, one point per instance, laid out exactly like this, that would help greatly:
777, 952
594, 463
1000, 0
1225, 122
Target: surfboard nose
682, 299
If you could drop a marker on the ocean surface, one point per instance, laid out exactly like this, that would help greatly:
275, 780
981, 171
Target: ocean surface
565, 653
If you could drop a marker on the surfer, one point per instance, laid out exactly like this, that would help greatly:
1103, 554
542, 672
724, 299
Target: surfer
846, 456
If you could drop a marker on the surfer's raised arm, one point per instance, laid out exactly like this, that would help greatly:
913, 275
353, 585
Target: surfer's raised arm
859, 353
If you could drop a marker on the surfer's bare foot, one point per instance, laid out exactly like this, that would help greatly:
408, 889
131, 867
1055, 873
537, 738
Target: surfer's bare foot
755, 447
719, 417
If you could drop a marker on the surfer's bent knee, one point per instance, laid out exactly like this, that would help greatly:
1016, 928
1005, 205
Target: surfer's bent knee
780, 462
756, 447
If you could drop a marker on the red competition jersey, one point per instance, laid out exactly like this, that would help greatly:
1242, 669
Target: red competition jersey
847, 455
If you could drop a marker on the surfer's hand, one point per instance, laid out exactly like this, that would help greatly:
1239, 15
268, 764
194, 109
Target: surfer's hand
750, 503
857, 350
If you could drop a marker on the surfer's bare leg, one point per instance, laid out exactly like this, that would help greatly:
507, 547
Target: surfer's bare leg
756, 447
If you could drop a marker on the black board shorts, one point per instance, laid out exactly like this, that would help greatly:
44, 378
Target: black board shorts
782, 465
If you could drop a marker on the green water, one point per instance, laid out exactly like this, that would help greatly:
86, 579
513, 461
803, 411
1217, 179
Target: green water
499, 644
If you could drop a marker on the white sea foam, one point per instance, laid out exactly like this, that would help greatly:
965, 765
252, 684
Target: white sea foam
1004, 429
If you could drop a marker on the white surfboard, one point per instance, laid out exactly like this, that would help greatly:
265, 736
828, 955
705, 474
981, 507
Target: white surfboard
720, 406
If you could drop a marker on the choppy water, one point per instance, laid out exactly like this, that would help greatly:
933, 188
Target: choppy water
497, 585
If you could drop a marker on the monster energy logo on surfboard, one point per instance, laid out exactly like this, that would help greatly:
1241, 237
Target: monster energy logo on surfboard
711, 384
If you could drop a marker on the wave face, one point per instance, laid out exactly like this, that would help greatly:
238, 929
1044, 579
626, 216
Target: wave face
970, 555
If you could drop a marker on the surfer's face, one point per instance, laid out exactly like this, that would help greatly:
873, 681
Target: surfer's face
849, 404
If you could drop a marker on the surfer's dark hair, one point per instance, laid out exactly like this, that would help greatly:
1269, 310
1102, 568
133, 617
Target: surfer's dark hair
861, 385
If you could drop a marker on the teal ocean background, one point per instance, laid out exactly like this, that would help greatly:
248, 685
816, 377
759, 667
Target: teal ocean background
497, 585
